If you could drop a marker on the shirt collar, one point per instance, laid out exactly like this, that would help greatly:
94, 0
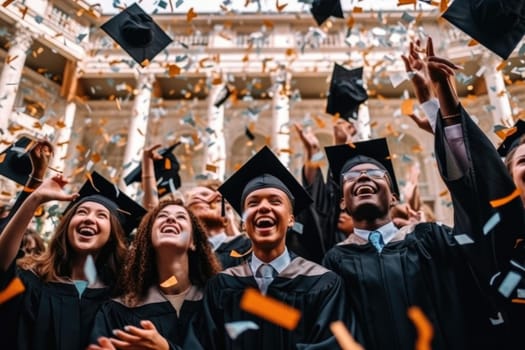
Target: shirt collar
279, 263
388, 232
217, 240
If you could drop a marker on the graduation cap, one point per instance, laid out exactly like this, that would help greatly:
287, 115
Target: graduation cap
344, 157
136, 32
100, 190
15, 162
498, 25
222, 96
346, 92
263, 170
166, 171
512, 139
323, 9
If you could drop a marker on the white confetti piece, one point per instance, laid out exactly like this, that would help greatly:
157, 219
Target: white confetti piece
234, 329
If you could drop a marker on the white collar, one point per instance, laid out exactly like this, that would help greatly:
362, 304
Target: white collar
279, 263
217, 240
388, 232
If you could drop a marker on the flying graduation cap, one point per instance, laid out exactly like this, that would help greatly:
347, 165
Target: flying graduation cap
499, 25
100, 190
263, 170
324, 9
347, 92
166, 172
512, 138
15, 163
136, 32
342, 158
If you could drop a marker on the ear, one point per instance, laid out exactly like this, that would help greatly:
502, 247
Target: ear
192, 247
393, 200
291, 221
342, 204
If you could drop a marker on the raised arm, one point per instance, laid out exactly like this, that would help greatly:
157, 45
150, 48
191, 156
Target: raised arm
149, 182
13, 233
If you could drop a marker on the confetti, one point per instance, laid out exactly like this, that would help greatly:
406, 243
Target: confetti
407, 107
234, 329
7, 3
170, 282
190, 15
491, 223
14, 288
343, 336
90, 270
236, 254
508, 284
270, 309
424, 328
463, 239
502, 201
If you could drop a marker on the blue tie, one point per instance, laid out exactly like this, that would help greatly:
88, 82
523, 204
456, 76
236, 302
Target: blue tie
376, 239
266, 272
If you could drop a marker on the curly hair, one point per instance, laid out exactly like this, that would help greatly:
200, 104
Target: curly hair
57, 261
510, 156
140, 272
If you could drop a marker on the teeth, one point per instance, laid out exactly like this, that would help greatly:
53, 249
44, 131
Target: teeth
169, 229
364, 190
264, 223
87, 231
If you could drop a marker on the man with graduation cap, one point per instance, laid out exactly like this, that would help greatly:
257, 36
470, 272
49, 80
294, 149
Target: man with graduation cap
346, 94
65, 285
136, 32
445, 272
268, 197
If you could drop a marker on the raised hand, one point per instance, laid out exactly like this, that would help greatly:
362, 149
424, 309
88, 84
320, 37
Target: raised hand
416, 67
52, 189
344, 131
310, 141
150, 152
40, 156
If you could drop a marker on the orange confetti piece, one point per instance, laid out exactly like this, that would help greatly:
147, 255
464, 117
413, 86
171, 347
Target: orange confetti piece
14, 288
501, 65
7, 3
443, 193
518, 301
211, 167
10, 59
270, 309
170, 282
502, 201
167, 163
443, 5
279, 8
504, 133
319, 122
357, 9
95, 157
343, 336
23, 11
407, 107
190, 15
90, 178
236, 254
406, 2
173, 70
145, 63
423, 326
472, 42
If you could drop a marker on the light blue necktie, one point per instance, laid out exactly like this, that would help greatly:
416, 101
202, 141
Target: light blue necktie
376, 239
266, 272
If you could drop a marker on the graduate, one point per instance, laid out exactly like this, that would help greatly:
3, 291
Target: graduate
445, 272
166, 270
268, 197
65, 286
231, 246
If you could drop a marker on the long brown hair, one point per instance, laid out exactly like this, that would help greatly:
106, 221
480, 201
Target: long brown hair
510, 156
57, 261
140, 272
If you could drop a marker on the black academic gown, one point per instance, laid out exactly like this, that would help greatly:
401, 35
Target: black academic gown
155, 308
306, 286
49, 315
241, 244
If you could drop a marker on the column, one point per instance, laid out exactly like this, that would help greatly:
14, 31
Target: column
12, 72
501, 111
138, 129
362, 124
281, 117
215, 149
63, 136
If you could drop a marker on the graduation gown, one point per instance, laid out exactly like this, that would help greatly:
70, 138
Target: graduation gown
241, 244
155, 308
49, 315
304, 285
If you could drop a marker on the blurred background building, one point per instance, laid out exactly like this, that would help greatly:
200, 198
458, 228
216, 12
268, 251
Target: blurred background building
64, 78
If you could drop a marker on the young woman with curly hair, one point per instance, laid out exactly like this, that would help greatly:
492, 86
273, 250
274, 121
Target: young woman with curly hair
58, 306
168, 265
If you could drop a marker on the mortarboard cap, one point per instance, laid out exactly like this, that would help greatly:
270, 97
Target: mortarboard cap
166, 171
342, 158
323, 9
512, 138
346, 92
263, 170
15, 163
98, 189
499, 25
222, 96
136, 32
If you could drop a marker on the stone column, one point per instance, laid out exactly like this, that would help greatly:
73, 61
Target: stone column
501, 109
362, 124
12, 72
138, 129
281, 117
215, 149
63, 136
